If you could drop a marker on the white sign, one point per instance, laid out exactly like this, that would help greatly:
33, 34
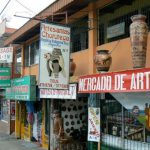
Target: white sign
60, 94
94, 124
116, 30
54, 56
6, 55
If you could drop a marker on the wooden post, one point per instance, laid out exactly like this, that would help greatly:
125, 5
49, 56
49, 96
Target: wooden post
92, 36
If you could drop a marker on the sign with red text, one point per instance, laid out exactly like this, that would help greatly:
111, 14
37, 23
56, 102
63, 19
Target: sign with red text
54, 56
6, 55
22, 89
70, 93
94, 124
125, 81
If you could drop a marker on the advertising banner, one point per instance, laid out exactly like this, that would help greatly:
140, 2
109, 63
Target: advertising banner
125, 81
6, 55
60, 94
54, 56
22, 89
94, 124
4, 77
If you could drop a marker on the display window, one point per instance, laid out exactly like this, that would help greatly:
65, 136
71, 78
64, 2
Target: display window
5, 110
121, 126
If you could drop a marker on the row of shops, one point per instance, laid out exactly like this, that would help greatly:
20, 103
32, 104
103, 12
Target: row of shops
114, 116
91, 104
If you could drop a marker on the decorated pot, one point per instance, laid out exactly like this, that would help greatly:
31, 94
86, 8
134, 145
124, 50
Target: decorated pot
72, 67
102, 60
138, 36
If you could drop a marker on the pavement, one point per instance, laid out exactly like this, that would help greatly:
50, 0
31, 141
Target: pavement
9, 142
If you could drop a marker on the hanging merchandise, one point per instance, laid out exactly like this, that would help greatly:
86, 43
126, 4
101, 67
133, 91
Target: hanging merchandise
94, 124
30, 111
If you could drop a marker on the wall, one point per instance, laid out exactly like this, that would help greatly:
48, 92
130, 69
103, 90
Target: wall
121, 54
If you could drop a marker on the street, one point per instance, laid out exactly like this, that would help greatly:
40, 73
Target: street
9, 142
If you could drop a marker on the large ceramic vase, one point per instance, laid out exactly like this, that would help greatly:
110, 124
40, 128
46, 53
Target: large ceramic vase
102, 60
138, 36
72, 67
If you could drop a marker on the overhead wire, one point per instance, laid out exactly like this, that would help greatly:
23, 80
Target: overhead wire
5, 7
25, 6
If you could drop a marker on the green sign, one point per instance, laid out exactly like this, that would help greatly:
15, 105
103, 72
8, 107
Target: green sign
4, 77
22, 89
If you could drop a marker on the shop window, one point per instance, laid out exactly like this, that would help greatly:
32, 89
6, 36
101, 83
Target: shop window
79, 35
32, 53
120, 127
18, 61
5, 110
120, 25
146, 11
114, 20
126, 20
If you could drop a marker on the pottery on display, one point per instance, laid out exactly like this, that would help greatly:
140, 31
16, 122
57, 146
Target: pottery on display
138, 36
102, 60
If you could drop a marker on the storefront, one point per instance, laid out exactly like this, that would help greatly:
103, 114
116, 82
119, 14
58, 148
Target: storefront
23, 92
124, 104
73, 118
6, 124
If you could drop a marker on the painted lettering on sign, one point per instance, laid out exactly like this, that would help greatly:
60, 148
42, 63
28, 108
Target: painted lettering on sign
59, 94
6, 54
125, 81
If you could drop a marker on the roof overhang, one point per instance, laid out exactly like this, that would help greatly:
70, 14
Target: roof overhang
32, 27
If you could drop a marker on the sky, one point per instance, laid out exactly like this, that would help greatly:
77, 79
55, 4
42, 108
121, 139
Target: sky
25, 8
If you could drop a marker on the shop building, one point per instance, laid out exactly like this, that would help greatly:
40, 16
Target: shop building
7, 124
95, 25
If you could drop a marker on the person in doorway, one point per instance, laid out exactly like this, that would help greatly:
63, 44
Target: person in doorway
58, 130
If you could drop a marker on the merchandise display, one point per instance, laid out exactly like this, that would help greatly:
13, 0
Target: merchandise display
74, 115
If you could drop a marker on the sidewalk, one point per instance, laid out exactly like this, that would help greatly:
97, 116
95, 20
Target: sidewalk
9, 142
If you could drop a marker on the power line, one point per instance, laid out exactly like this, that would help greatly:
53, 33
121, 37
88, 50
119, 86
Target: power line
5, 7
24, 6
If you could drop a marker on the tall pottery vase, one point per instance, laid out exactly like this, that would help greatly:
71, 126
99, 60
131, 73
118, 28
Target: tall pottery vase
102, 60
138, 36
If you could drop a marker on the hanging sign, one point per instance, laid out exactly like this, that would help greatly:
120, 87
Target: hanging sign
6, 55
54, 56
94, 124
125, 81
4, 77
22, 89
59, 94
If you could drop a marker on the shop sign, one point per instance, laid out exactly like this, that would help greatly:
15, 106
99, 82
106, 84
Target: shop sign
59, 94
116, 30
22, 89
54, 56
125, 81
4, 77
94, 124
6, 55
